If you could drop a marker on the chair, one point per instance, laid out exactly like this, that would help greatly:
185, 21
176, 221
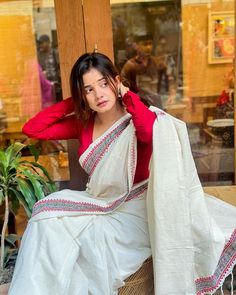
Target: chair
141, 282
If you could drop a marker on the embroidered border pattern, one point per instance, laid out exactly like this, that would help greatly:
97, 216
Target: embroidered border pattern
133, 161
135, 193
84, 207
95, 155
227, 261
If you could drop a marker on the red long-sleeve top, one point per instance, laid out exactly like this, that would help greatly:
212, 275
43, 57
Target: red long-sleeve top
59, 122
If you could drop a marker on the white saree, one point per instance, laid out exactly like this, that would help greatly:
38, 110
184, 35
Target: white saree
80, 243
193, 236
89, 242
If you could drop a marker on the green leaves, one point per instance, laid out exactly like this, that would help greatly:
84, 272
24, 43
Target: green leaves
12, 152
17, 194
27, 192
34, 151
25, 182
1, 196
21, 182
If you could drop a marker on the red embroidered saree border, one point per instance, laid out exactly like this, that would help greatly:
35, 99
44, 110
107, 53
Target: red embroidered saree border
47, 205
224, 267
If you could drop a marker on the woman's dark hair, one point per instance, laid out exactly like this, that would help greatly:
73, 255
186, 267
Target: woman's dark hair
86, 62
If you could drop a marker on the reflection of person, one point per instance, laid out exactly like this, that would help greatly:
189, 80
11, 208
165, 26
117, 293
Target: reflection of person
47, 90
105, 228
166, 85
119, 29
49, 61
48, 98
47, 95
140, 71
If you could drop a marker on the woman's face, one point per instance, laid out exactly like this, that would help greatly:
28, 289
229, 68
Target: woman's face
99, 94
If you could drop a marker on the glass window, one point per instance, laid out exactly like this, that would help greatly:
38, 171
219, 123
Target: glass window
30, 77
178, 56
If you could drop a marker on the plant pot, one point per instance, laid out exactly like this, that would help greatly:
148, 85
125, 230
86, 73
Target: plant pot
4, 289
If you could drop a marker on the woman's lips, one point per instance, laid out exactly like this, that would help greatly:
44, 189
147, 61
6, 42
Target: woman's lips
102, 103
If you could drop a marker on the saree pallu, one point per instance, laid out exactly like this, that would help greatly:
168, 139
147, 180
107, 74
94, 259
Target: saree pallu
88, 242
193, 235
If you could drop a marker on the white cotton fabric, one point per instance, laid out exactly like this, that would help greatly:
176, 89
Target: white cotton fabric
84, 253
186, 241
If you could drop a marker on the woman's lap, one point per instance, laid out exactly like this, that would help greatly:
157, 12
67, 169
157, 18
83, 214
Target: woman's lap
88, 254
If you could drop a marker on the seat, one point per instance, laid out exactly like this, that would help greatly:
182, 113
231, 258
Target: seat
141, 282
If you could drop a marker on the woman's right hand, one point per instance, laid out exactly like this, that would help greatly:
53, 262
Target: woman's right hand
123, 89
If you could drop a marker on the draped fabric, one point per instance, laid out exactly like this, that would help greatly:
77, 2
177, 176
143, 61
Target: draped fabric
89, 242
193, 236
80, 243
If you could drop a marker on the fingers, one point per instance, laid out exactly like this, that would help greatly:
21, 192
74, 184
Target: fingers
123, 89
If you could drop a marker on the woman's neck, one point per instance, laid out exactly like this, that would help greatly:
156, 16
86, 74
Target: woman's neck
110, 117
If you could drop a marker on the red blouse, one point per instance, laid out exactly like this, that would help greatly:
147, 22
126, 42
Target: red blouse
59, 122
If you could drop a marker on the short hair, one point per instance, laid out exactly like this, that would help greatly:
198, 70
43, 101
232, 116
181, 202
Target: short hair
83, 65
44, 38
143, 37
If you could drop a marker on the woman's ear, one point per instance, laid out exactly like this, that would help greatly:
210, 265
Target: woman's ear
117, 80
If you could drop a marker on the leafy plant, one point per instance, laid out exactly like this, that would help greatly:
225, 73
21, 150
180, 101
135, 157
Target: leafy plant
21, 182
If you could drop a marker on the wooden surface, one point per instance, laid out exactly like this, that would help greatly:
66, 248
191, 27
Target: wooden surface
225, 193
98, 26
81, 25
70, 34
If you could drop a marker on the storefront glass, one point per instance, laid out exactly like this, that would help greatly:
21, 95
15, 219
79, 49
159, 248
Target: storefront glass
178, 55
30, 77
184, 65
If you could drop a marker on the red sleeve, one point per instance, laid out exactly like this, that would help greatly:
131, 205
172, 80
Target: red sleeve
142, 117
54, 122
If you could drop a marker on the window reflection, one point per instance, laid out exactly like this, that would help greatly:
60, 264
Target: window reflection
30, 76
165, 51
146, 42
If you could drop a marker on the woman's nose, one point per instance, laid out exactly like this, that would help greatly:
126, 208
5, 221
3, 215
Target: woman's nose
98, 92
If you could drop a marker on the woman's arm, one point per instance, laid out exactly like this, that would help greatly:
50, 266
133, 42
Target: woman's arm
55, 122
142, 117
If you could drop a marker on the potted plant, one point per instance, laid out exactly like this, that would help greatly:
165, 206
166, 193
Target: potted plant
23, 183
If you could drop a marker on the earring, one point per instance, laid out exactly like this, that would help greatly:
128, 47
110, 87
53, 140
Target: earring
119, 95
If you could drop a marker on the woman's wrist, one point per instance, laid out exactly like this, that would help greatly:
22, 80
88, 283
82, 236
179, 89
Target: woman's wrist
123, 89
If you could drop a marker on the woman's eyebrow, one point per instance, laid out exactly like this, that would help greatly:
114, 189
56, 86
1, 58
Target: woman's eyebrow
86, 86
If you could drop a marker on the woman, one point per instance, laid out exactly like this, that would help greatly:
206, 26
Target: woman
103, 235
89, 242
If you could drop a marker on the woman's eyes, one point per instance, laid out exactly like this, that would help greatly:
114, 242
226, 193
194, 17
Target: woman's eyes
88, 90
103, 84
